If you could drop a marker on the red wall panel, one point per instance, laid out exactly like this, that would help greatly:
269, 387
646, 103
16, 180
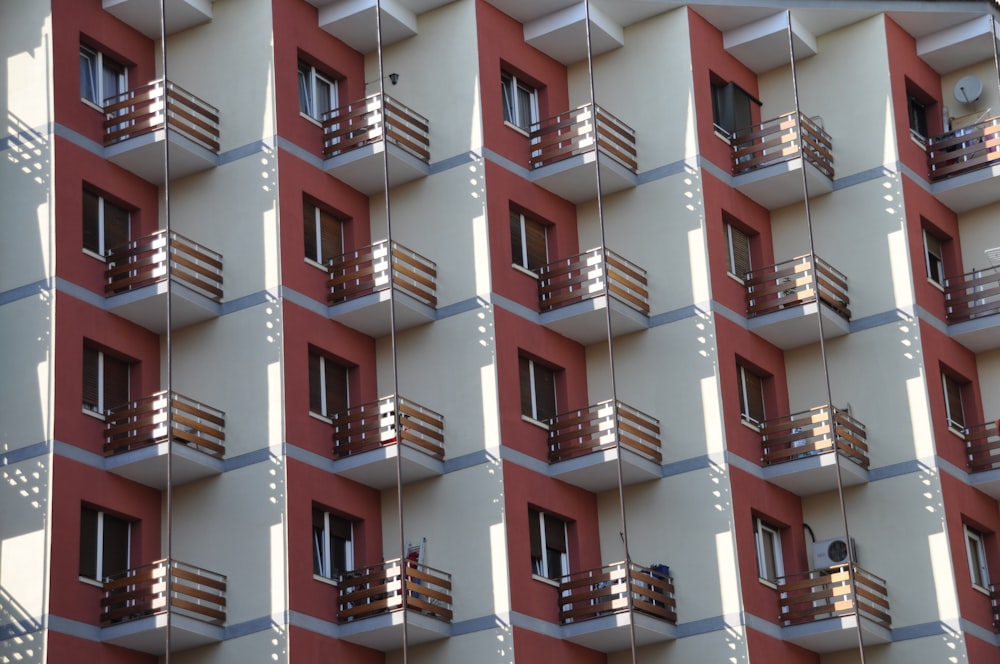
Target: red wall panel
534, 648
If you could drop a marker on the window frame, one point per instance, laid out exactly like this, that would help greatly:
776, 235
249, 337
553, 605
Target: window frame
99, 539
524, 223
765, 530
727, 104
98, 64
101, 409
975, 551
309, 74
729, 229
956, 426
103, 203
934, 261
541, 565
322, 257
533, 368
324, 385
513, 114
744, 396
324, 541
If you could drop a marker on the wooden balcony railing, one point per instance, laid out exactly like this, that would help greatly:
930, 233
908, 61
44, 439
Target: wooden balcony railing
366, 271
140, 111
371, 425
963, 150
796, 282
599, 427
982, 446
144, 261
360, 123
608, 589
572, 133
375, 590
821, 594
995, 601
142, 591
784, 138
144, 422
972, 295
583, 277
810, 432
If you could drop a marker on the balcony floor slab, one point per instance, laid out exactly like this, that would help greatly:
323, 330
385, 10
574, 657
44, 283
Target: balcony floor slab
144, 15
780, 184
586, 322
148, 465
363, 169
598, 471
147, 306
143, 155
149, 634
987, 481
979, 334
835, 634
575, 178
815, 473
385, 632
370, 313
797, 325
377, 468
610, 633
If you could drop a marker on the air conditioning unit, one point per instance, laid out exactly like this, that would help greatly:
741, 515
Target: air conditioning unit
834, 552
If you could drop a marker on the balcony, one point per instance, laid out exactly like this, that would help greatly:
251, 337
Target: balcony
585, 445
797, 450
982, 447
356, 135
995, 601
783, 302
964, 165
354, 23
820, 610
135, 605
372, 599
564, 154
972, 303
137, 441
144, 15
768, 160
572, 297
368, 439
360, 295
137, 122
136, 282
600, 606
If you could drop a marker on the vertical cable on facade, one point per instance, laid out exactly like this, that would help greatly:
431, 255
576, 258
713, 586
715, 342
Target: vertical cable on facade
822, 340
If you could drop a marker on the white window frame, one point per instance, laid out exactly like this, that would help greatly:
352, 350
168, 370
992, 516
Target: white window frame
101, 239
100, 547
322, 384
534, 393
763, 529
731, 253
522, 260
953, 424
100, 410
745, 400
96, 67
938, 260
311, 76
521, 118
318, 230
544, 560
326, 553
975, 550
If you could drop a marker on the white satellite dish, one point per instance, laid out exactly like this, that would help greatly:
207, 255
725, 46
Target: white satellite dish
968, 89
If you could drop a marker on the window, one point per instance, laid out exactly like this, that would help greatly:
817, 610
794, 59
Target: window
317, 93
770, 566
520, 102
731, 107
751, 388
738, 261
324, 237
529, 247
934, 258
105, 381
105, 225
538, 390
333, 544
954, 410
549, 554
104, 544
976, 550
328, 385
100, 77
917, 111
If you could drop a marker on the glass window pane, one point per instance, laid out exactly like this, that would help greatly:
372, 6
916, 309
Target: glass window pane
305, 93
116, 227
91, 381
116, 545
516, 245
91, 222
324, 97
88, 543
524, 107
506, 85
309, 231
88, 75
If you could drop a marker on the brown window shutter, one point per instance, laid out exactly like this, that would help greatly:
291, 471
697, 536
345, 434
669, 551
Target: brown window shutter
116, 379
337, 399
953, 393
545, 393
524, 373
91, 222
755, 396
116, 536
315, 385
91, 386
534, 534
555, 533
340, 527
88, 543
534, 233
116, 226
739, 258
331, 236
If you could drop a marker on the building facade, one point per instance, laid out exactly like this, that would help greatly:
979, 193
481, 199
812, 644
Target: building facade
451, 331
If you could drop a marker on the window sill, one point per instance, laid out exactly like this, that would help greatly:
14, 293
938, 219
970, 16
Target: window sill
87, 102
94, 414
935, 284
318, 266
310, 119
323, 579
321, 418
534, 422
724, 137
750, 425
91, 582
546, 580
732, 276
519, 130
524, 270
92, 254
958, 432
768, 583
980, 589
